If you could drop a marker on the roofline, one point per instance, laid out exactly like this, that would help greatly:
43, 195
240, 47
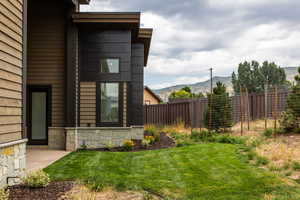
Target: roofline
145, 36
107, 17
153, 94
84, 1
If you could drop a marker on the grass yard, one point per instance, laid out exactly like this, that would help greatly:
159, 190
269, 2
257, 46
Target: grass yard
203, 171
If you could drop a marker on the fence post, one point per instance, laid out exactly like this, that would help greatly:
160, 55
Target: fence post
266, 106
241, 111
276, 111
248, 109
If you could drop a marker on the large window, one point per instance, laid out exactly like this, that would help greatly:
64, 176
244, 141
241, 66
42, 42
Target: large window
109, 65
109, 103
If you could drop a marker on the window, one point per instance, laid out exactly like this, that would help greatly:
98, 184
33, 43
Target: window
109, 102
109, 65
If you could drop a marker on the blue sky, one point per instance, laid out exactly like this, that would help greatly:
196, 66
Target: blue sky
190, 36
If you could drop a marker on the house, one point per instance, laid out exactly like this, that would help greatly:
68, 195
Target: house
68, 79
150, 98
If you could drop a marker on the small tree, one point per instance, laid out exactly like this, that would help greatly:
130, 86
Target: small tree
290, 120
219, 112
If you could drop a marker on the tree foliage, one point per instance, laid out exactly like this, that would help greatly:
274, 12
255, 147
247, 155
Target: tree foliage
185, 93
290, 120
253, 76
219, 109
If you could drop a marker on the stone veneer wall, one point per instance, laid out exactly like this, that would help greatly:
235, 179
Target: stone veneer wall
99, 137
12, 162
56, 138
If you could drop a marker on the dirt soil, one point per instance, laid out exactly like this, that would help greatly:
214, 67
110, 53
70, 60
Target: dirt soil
164, 142
52, 192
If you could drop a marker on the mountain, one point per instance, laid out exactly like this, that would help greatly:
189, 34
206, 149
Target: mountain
204, 87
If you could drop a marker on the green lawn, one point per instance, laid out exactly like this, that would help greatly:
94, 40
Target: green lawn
203, 171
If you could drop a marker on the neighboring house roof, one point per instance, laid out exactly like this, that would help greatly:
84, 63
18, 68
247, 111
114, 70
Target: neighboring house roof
153, 94
123, 20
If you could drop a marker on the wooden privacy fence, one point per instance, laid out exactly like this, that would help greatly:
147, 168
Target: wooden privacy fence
192, 111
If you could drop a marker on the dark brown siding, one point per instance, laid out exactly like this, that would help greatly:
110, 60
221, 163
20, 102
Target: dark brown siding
11, 23
137, 85
46, 51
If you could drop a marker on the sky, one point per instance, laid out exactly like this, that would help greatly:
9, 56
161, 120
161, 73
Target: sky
191, 36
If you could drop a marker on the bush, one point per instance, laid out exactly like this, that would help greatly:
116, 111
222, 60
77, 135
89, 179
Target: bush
4, 194
145, 143
37, 179
201, 136
261, 160
150, 139
296, 166
128, 145
184, 142
268, 133
288, 122
227, 139
154, 131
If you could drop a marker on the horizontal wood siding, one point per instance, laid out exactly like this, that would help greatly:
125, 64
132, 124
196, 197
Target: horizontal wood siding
11, 50
88, 104
46, 52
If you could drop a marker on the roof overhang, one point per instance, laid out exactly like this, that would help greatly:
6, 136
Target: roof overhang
109, 20
76, 2
84, 1
145, 36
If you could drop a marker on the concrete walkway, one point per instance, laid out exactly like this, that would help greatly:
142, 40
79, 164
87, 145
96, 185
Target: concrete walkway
39, 157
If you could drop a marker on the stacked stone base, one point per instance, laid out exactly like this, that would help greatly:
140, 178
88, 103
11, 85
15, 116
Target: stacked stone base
12, 162
93, 138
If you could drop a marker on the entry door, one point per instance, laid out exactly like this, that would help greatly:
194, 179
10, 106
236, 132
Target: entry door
38, 119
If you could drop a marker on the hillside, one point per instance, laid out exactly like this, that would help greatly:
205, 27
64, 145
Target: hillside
205, 86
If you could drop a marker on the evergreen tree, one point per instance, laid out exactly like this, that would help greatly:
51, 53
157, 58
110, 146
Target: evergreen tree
219, 109
293, 100
254, 76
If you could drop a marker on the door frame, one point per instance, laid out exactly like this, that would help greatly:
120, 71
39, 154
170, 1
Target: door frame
30, 90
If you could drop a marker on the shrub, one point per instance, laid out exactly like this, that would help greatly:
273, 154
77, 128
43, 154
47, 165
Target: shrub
128, 145
4, 194
37, 179
227, 139
268, 133
151, 129
145, 143
261, 160
109, 145
296, 166
201, 135
288, 121
184, 142
150, 139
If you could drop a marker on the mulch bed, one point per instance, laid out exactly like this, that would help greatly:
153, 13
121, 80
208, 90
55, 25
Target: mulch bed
52, 192
164, 142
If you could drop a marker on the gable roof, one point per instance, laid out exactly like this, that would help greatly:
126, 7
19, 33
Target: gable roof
153, 94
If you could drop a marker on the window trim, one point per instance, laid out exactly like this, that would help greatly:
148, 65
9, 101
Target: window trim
98, 106
99, 68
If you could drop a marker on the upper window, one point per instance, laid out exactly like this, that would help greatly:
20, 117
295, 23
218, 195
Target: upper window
109, 65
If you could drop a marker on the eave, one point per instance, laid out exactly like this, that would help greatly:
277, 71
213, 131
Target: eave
84, 1
145, 36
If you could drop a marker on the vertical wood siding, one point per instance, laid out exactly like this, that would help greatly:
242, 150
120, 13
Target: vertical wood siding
11, 49
46, 52
88, 104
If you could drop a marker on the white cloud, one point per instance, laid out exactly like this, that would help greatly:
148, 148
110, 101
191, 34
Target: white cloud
213, 33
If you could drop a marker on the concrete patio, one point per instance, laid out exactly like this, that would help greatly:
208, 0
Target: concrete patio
39, 157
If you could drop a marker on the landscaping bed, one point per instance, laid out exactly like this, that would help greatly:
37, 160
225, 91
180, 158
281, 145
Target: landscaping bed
161, 142
51, 192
